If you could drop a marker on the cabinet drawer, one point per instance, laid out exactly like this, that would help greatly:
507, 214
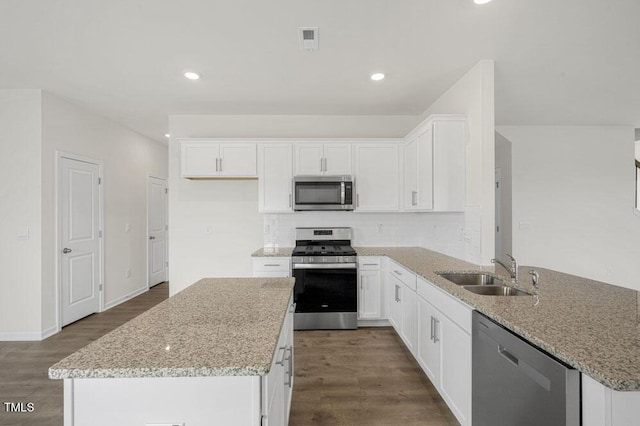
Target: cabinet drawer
407, 277
457, 311
369, 263
271, 264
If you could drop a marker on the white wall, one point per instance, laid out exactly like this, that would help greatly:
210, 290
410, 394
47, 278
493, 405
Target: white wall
573, 195
20, 182
33, 125
128, 160
503, 162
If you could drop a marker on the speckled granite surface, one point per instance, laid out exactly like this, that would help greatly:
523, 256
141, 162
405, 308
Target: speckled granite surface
590, 325
273, 252
216, 327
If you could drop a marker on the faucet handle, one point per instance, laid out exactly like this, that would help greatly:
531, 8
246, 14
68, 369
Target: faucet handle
535, 277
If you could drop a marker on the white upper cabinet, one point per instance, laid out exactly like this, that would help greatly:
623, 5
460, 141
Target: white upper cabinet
275, 179
210, 159
377, 176
322, 159
434, 164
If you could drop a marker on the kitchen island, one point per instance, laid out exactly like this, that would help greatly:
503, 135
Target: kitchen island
219, 352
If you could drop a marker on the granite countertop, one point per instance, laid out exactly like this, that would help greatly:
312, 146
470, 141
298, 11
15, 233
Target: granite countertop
216, 327
273, 252
590, 325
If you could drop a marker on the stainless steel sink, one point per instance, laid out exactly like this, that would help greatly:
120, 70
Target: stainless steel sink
496, 290
477, 278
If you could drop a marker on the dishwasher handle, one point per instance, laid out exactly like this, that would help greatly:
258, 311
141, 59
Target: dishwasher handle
508, 355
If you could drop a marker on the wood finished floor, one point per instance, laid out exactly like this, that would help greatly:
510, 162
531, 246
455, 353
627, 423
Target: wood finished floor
361, 377
24, 365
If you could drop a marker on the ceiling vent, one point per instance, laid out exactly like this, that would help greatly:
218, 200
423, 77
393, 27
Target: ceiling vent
308, 38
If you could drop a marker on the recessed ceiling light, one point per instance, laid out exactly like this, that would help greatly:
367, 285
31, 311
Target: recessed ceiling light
192, 75
167, 135
377, 76
481, 1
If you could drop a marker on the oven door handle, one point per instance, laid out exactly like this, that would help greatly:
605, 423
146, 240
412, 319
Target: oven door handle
325, 266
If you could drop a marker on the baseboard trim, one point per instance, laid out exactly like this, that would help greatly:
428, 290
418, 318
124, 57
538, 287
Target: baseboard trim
124, 298
49, 332
374, 323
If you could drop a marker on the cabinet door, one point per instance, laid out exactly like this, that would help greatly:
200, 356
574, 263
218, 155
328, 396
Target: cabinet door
309, 159
394, 297
409, 318
411, 175
377, 177
455, 384
428, 346
369, 295
424, 178
449, 165
275, 178
199, 159
337, 159
237, 159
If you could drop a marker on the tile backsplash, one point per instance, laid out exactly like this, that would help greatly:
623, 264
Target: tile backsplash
454, 234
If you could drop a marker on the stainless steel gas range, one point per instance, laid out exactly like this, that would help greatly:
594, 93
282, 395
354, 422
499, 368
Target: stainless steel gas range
325, 268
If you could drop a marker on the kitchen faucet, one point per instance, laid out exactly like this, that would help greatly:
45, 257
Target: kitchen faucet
513, 268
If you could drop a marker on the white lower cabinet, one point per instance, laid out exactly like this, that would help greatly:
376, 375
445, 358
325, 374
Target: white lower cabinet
444, 347
401, 293
370, 294
602, 406
277, 386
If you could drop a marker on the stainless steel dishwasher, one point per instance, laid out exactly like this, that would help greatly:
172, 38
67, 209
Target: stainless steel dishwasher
515, 383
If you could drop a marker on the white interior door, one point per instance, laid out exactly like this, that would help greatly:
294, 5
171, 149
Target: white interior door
80, 249
157, 220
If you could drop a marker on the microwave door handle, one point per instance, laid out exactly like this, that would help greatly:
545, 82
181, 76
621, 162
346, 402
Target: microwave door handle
342, 193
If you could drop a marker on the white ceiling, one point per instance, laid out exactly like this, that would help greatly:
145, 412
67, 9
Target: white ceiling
557, 61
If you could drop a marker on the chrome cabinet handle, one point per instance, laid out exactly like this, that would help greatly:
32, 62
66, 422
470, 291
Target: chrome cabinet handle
220, 163
217, 164
284, 350
414, 198
397, 293
290, 200
369, 264
66, 250
397, 272
288, 382
436, 338
431, 337
357, 200
152, 237
505, 353
272, 264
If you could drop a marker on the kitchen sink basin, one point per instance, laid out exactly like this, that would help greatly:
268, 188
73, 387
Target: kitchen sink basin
478, 279
496, 290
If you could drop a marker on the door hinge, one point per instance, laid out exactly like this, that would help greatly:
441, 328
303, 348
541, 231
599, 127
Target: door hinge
166, 190
100, 287
497, 229
497, 185
99, 181
100, 234
166, 263
166, 227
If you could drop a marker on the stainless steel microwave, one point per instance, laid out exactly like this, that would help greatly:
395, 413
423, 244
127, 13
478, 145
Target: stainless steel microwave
323, 193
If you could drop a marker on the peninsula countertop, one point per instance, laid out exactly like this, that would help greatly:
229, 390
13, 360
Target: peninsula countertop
590, 325
215, 327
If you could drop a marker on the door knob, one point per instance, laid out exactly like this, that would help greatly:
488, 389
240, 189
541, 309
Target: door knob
152, 237
66, 250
